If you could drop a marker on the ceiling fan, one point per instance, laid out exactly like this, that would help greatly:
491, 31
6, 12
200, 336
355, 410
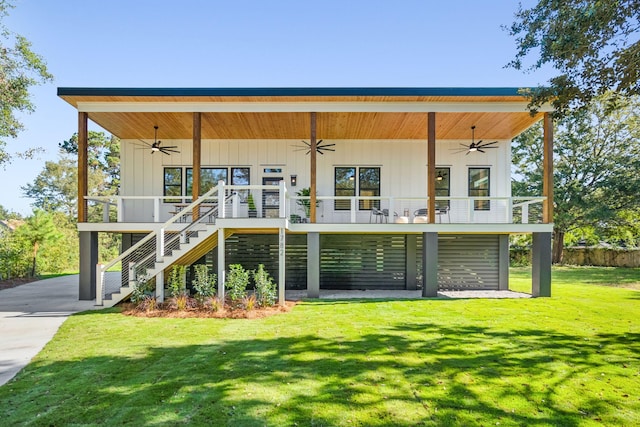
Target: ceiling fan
320, 148
475, 146
157, 145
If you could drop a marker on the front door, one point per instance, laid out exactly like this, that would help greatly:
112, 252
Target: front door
271, 198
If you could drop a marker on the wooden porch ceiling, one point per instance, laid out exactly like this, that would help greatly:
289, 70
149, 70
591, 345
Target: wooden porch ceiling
330, 125
140, 114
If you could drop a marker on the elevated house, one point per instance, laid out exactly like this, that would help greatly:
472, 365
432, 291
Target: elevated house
330, 188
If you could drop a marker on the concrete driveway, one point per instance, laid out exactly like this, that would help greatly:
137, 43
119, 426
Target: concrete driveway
30, 315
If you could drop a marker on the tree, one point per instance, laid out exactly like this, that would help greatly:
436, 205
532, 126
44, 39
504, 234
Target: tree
38, 230
595, 46
20, 68
596, 159
56, 186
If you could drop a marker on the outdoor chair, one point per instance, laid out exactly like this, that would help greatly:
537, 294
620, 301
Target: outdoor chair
381, 215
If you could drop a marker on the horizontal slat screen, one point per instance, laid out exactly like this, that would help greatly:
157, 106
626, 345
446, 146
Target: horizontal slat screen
250, 250
465, 262
362, 261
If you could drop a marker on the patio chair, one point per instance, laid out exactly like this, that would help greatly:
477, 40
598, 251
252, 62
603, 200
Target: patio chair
381, 215
443, 210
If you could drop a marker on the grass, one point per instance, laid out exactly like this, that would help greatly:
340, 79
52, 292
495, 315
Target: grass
569, 360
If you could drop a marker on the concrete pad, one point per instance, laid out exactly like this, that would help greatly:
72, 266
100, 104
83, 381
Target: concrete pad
30, 316
402, 294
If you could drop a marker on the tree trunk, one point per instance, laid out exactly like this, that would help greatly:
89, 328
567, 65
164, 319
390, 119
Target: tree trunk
558, 246
35, 257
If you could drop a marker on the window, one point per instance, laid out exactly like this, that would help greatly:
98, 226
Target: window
367, 184
240, 176
345, 185
443, 186
209, 178
172, 183
479, 187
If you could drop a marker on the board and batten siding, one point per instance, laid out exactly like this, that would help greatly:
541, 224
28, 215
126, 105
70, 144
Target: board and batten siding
402, 162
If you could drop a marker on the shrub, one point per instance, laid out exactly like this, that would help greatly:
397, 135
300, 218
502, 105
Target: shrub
236, 284
204, 283
265, 288
177, 281
142, 288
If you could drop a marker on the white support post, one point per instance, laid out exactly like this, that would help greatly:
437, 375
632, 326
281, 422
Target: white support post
283, 200
99, 284
156, 209
221, 191
221, 264
281, 267
353, 210
510, 210
525, 213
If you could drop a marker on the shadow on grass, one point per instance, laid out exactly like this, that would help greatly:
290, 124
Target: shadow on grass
404, 374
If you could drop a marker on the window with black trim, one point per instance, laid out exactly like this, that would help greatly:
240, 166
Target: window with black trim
240, 176
443, 186
345, 185
209, 178
479, 183
351, 180
172, 183
369, 186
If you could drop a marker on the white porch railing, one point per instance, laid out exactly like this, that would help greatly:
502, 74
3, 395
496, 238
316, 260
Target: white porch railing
356, 209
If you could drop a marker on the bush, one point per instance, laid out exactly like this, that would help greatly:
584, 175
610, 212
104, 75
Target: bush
236, 284
204, 283
177, 281
142, 294
265, 288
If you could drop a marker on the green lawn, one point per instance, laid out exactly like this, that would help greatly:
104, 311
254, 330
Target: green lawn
569, 360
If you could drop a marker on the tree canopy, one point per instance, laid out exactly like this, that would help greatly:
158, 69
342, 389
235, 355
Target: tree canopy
594, 44
596, 163
20, 69
56, 186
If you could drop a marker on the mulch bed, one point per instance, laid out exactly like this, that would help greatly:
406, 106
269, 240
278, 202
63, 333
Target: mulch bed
130, 309
12, 283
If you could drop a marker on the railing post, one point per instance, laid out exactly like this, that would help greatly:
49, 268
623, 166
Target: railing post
235, 205
283, 202
99, 284
471, 203
525, 213
160, 245
221, 191
156, 209
353, 210
510, 210
120, 209
105, 212
391, 209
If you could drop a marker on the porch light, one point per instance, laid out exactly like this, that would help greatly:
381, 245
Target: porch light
439, 177
294, 180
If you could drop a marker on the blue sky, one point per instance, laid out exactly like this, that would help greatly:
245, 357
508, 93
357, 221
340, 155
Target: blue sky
252, 43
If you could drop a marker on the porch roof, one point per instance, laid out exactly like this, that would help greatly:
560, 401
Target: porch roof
283, 113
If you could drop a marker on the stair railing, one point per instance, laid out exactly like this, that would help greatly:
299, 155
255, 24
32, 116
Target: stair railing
156, 244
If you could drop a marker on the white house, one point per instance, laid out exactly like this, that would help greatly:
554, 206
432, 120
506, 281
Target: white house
407, 188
